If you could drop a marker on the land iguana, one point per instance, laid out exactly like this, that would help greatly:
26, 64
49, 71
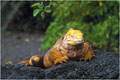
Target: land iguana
71, 46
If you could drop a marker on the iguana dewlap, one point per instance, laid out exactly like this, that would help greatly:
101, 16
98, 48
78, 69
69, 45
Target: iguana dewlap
69, 47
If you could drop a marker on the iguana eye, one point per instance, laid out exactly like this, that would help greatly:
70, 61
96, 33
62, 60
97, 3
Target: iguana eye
72, 36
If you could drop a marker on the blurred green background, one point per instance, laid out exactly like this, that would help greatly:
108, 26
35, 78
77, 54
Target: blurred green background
98, 20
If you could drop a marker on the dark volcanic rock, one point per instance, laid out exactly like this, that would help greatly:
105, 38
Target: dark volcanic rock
105, 66
20, 71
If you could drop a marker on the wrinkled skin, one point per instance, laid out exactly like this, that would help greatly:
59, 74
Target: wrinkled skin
69, 47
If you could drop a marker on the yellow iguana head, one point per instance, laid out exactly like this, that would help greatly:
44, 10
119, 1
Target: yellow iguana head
74, 37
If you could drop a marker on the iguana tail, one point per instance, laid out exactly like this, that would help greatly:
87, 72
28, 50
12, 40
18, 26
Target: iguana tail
26, 62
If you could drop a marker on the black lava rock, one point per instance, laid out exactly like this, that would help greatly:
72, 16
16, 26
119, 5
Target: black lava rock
105, 65
20, 71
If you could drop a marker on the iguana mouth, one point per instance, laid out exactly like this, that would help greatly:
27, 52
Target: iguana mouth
75, 41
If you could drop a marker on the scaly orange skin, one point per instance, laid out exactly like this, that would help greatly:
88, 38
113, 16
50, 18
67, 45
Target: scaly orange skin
69, 47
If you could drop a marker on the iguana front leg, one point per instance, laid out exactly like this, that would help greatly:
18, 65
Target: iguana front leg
87, 52
61, 59
54, 57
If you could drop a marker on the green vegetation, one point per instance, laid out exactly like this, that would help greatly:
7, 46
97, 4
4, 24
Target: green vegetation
98, 20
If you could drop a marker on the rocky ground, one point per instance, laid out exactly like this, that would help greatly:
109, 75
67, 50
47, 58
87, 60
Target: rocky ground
104, 66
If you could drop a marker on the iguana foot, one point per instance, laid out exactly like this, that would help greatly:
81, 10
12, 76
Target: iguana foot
61, 60
89, 55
